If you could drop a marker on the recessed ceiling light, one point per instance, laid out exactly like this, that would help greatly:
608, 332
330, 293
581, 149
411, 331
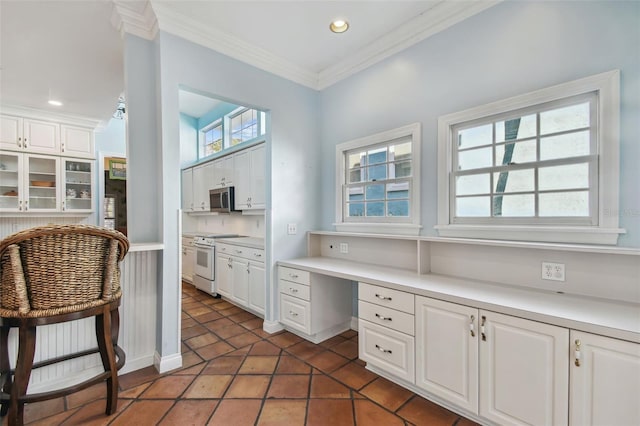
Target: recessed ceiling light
339, 26
55, 103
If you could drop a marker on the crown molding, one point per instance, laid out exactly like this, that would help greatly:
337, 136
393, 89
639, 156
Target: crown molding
39, 114
134, 17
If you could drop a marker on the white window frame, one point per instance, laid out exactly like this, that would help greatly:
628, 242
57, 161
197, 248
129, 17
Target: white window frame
203, 132
260, 125
605, 231
381, 225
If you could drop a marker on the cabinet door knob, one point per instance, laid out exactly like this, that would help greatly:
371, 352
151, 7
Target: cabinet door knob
293, 290
293, 314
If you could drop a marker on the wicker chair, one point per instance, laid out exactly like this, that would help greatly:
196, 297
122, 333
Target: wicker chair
53, 274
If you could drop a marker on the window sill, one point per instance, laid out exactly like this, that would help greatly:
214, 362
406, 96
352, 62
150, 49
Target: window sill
380, 228
549, 234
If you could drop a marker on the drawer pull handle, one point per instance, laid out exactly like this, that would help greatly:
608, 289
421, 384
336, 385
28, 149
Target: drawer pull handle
293, 290
294, 276
293, 314
383, 318
383, 297
383, 350
472, 325
482, 330
577, 353
239, 251
257, 254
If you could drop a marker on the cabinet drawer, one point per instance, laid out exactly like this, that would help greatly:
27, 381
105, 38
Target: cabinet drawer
295, 313
246, 253
399, 321
387, 349
295, 275
390, 298
295, 289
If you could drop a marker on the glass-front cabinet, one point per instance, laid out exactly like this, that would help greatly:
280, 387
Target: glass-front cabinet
11, 191
77, 178
41, 182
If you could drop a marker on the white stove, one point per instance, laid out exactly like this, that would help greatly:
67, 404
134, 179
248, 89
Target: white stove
205, 262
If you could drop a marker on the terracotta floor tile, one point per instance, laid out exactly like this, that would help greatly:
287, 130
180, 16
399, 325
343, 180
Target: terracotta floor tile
214, 350
292, 365
240, 352
170, 387
242, 317
48, 421
248, 387
223, 365
39, 410
211, 301
138, 377
360, 362
282, 412
208, 387
252, 324
92, 393
143, 413
133, 393
189, 412
463, 421
349, 334
236, 412
190, 359
386, 393
198, 310
201, 340
332, 341
243, 339
230, 331
92, 414
218, 324
368, 413
305, 349
289, 386
231, 311
224, 305
327, 361
264, 348
209, 316
420, 411
284, 340
188, 322
260, 332
190, 332
191, 371
325, 387
354, 375
259, 365
334, 412
348, 349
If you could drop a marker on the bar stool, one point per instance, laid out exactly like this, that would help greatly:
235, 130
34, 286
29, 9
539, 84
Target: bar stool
49, 275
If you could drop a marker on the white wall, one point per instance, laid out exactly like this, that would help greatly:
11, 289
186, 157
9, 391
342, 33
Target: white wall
509, 49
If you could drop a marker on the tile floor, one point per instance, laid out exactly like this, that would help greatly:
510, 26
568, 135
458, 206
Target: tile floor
236, 374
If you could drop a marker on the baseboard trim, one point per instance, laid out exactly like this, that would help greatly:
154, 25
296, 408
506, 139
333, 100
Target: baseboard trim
272, 326
354, 323
137, 364
167, 363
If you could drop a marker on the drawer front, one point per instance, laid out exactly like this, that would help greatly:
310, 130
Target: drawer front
381, 315
387, 349
295, 313
390, 298
294, 289
255, 254
295, 275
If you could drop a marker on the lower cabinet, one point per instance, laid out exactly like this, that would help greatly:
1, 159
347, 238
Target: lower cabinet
188, 254
240, 276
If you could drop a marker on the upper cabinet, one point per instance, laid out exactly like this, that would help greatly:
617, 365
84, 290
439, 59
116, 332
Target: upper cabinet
223, 172
249, 179
45, 137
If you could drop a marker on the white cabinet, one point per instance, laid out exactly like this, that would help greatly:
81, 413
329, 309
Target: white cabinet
202, 178
187, 190
240, 276
188, 258
223, 172
76, 141
249, 179
41, 136
605, 381
10, 132
77, 184
447, 351
313, 306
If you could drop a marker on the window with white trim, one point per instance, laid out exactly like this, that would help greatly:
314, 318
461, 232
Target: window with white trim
541, 166
243, 126
379, 182
212, 139
239, 126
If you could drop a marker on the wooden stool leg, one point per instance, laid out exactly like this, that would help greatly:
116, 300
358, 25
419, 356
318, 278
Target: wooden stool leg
5, 369
108, 356
24, 363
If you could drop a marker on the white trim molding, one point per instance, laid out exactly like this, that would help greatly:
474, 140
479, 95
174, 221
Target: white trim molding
166, 363
272, 326
607, 87
134, 17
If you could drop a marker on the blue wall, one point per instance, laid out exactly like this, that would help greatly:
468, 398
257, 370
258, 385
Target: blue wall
507, 50
217, 112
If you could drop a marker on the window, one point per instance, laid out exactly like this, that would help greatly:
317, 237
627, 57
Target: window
378, 182
243, 126
539, 167
212, 140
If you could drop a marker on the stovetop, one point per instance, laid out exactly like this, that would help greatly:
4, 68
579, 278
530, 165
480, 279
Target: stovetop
209, 240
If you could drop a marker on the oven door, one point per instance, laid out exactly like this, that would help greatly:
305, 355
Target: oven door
204, 262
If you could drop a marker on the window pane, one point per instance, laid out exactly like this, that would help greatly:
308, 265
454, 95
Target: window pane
355, 159
563, 146
473, 207
564, 177
513, 181
520, 152
378, 172
356, 209
398, 190
375, 192
356, 193
475, 159
400, 169
473, 184
236, 123
356, 175
398, 208
377, 156
514, 205
566, 118
375, 209
400, 152
475, 136
563, 204
516, 128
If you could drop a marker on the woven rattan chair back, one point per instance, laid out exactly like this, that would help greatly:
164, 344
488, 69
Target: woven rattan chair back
53, 274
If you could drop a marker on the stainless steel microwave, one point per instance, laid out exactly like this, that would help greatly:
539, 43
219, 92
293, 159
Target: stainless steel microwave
221, 200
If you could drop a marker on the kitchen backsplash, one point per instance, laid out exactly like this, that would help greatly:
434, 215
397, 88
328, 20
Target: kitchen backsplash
251, 226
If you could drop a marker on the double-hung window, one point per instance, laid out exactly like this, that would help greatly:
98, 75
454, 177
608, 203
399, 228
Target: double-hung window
378, 182
212, 140
540, 167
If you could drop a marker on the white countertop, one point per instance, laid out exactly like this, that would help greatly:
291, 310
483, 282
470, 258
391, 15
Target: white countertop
252, 242
611, 318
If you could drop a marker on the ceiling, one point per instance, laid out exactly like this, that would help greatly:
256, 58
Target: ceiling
70, 50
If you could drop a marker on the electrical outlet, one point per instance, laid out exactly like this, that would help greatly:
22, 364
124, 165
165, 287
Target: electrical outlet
553, 271
344, 248
292, 229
